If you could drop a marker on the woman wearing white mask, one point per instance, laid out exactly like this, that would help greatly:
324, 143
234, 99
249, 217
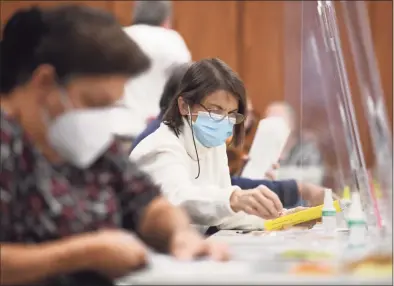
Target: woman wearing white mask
187, 157
70, 200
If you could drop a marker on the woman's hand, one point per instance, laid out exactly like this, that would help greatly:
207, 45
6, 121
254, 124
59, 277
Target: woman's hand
188, 244
260, 201
115, 253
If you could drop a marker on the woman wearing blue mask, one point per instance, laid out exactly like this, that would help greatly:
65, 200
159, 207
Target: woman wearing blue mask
186, 155
74, 209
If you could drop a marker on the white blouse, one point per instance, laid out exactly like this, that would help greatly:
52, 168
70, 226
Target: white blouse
172, 163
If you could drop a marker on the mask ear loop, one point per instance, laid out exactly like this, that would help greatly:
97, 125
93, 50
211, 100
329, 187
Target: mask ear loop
194, 142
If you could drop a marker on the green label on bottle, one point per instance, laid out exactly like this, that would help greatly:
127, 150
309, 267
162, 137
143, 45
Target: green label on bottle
352, 223
328, 213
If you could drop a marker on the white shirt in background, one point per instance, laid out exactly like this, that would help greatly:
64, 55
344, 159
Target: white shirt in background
172, 163
165, 48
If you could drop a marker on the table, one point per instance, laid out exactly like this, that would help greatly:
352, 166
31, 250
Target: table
255, 262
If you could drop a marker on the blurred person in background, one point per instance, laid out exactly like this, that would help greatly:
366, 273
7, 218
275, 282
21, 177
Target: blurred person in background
238, 157
301, 157
168, 94
187, 156
74, 209
152, 31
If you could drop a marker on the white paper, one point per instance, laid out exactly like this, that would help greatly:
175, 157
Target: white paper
270, 139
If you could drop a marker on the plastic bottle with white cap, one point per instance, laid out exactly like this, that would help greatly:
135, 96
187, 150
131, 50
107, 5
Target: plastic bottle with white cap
329, 220
345, 204
356, 222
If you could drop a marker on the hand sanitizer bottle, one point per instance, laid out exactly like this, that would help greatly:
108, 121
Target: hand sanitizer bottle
345, 204
356, 222
329, 220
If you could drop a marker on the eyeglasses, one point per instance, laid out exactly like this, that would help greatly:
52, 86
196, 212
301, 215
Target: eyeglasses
219, 115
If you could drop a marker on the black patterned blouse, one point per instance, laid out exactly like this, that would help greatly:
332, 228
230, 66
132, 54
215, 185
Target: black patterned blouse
40, 202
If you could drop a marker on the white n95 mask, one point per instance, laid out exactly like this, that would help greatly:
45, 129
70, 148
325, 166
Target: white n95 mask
81, 136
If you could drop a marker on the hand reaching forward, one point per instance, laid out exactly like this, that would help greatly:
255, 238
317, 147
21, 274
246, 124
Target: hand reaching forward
115, 253
188, 244
260, 201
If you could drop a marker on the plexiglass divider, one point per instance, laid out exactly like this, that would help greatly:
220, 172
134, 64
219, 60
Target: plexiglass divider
371, 91
317, 87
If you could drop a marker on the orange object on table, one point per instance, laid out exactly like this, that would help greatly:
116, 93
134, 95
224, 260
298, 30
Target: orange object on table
312, 269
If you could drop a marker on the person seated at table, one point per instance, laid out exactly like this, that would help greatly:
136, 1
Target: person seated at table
154, 33
70, 200
186, 155
301, 157
169, 92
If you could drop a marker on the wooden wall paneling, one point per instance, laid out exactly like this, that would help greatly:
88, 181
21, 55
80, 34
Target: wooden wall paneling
380, 18
262, 56
104, 5
292, 55
123, 10
354, 88
210, 29
381, 21
250, 36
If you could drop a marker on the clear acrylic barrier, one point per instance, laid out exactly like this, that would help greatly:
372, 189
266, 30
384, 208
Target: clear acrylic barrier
369, 83
317, 88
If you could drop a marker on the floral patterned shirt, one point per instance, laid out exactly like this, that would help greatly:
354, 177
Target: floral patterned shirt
41, 202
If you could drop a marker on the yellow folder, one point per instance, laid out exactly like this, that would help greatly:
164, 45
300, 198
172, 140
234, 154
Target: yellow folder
297, 218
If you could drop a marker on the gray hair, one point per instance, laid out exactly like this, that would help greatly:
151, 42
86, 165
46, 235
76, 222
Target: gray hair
153, 13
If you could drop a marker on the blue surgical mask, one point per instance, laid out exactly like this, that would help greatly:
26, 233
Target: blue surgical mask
210, 132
